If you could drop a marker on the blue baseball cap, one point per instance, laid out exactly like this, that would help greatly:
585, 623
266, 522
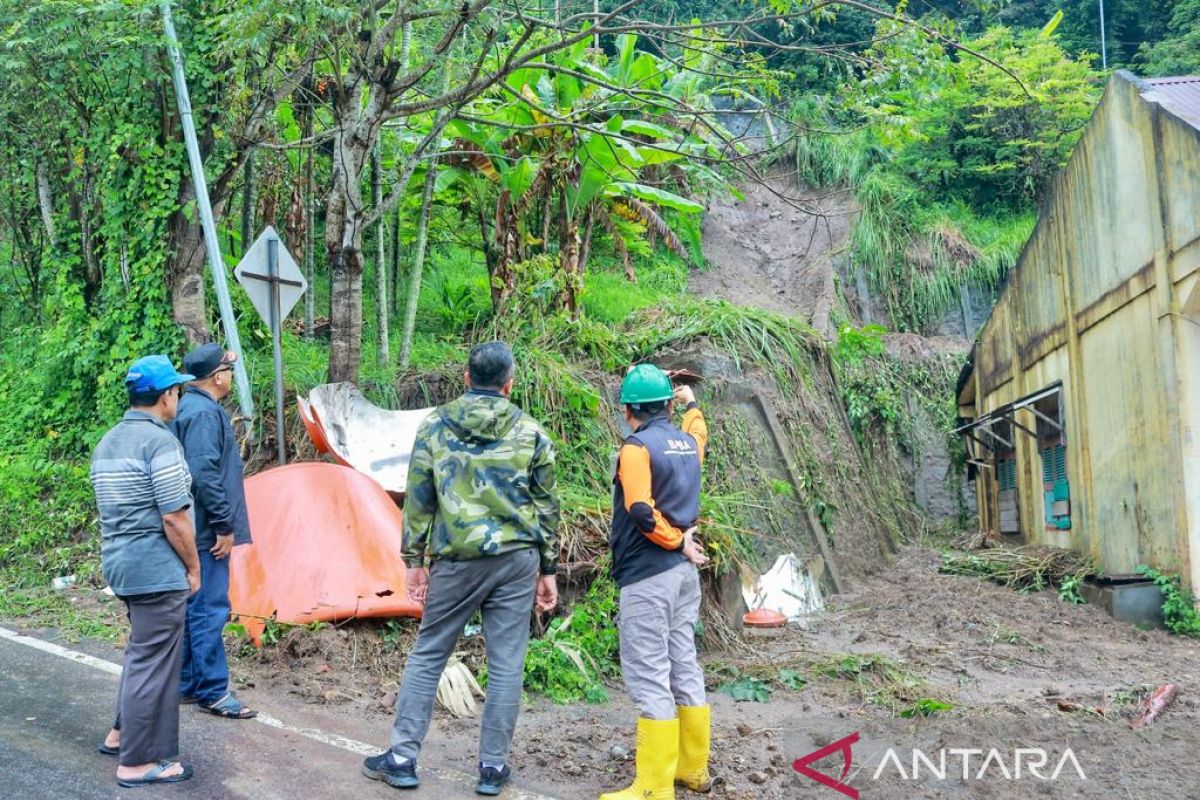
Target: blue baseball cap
153, 374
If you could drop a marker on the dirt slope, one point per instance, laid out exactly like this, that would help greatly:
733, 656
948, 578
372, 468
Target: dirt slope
765, 252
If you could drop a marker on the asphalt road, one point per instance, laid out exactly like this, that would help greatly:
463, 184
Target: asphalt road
54, 711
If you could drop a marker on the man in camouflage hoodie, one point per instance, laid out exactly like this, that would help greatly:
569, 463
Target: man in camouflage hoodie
480, 531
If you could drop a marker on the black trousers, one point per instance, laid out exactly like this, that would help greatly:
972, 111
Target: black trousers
148, 702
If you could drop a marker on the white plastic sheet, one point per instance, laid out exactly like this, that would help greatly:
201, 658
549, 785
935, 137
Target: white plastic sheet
372, 440
787, 587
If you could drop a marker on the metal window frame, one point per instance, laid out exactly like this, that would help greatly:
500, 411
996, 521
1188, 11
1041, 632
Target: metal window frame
1008, 413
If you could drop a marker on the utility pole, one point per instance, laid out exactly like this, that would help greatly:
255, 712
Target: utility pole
1103, 39
204, 206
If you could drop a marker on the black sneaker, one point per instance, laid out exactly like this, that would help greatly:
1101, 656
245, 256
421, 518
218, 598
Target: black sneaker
492, 780
384, 768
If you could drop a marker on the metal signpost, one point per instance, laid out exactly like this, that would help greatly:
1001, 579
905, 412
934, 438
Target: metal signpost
211, 244
274, 283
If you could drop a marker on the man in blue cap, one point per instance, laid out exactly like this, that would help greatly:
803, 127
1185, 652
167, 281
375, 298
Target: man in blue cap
148, 554
215, 461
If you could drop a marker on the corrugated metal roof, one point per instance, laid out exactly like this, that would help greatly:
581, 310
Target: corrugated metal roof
1180, 96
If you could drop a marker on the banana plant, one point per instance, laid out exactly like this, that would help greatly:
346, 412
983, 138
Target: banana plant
582, 141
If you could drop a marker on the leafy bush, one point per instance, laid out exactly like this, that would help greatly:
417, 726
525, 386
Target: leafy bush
1179, 606
982, 133
1068, 591
47, 520
579, 651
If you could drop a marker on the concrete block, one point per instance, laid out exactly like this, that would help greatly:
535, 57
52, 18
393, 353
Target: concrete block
1138, 602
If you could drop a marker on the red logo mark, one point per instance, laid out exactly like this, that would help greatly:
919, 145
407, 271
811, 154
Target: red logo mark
801, 765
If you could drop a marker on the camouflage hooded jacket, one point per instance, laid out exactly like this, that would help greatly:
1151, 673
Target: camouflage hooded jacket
480, 483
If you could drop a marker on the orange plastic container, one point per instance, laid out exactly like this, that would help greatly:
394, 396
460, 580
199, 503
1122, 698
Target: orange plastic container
764, 618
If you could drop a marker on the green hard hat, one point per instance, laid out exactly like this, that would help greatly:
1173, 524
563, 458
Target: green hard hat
646, 383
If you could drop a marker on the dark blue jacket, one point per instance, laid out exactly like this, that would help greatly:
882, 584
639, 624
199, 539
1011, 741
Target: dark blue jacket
211, 449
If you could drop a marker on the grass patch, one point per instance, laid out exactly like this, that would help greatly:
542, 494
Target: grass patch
65, 612
753, 683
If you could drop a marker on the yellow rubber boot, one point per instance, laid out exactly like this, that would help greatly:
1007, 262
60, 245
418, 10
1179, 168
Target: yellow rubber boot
657, 755
692, 771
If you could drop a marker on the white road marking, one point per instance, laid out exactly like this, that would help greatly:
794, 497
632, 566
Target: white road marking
316, 734
61, 652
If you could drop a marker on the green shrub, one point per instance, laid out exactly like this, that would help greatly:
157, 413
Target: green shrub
1179, 606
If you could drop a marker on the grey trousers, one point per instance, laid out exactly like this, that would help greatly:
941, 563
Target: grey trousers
502, 587
148, 700
658, 642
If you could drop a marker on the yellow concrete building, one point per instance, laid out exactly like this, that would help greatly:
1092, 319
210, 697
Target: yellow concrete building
1081, 401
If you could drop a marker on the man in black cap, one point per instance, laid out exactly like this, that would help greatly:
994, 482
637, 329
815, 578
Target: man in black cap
213, 456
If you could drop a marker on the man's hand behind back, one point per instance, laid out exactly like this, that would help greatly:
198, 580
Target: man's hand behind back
547, 593
223, 547
693, 551
418, 584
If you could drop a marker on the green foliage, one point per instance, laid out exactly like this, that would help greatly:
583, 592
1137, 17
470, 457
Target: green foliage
1179, 52
882, 681
746, 688
1068, 590
1179, 606
868, 391
926, 707
875, 388
1026, 569
578, 653
45, 607
47, 517
945, 156
970, 129
792, 679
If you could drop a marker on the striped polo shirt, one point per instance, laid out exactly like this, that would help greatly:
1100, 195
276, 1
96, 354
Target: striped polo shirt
139, 474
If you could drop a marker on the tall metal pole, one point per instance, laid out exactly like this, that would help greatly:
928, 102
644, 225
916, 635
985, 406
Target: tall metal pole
276, 324
216, 266
1103, 39
309, 236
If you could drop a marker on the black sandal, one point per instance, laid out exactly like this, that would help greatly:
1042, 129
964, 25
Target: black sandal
155, 775
229, 707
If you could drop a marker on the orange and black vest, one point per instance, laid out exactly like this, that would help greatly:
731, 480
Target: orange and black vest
647, 533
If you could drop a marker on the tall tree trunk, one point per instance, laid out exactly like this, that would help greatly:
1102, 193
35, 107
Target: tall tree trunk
485, 236
547, 218
343, 243
568, 257
586, 251
185, 269
508, 252
406, 37
88, 210
383, 355
46, 202
248, 204
415, 277
395, 287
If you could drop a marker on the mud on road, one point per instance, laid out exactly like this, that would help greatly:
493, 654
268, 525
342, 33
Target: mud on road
1020, 670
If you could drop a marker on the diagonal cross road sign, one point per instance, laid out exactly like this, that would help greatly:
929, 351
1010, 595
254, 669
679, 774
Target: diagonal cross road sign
254, 274
270, 276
